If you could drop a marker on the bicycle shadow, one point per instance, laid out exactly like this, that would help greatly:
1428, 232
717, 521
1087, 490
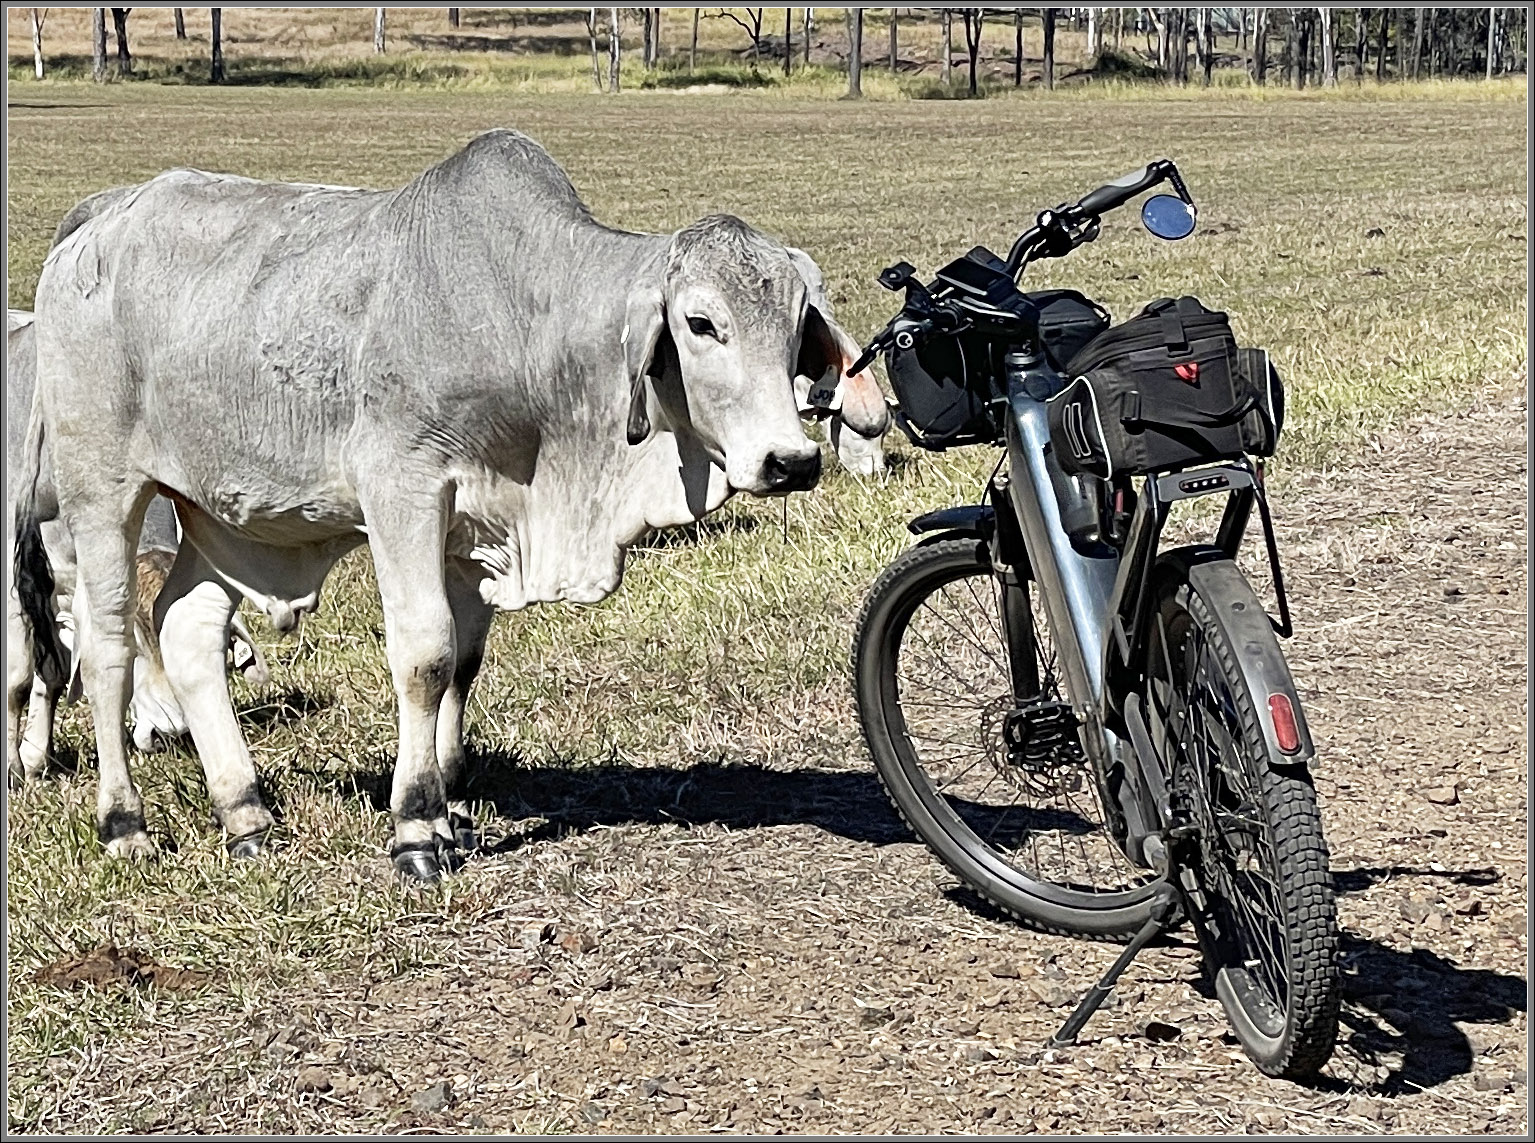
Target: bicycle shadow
1397, 1004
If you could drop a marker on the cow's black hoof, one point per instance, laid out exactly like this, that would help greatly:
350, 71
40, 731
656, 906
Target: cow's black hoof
426, 862
247, 848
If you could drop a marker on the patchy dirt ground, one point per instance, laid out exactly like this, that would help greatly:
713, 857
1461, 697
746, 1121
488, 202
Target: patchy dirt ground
746, 950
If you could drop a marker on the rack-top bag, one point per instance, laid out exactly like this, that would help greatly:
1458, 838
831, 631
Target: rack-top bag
1168, 389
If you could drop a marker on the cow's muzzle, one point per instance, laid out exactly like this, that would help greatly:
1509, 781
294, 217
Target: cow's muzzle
790, 472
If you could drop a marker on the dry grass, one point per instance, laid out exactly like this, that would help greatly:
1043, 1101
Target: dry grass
719, 666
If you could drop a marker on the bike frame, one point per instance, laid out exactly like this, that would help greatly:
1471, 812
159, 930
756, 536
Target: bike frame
1099, 605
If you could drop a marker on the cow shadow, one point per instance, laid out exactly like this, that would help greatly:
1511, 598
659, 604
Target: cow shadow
1402, 1011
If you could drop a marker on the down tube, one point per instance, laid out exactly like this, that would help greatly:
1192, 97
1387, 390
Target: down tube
1077, 589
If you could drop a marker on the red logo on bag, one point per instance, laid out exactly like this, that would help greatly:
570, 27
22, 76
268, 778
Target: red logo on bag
1188, 371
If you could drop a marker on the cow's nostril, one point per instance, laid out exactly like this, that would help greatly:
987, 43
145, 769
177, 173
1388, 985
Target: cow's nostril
791, 473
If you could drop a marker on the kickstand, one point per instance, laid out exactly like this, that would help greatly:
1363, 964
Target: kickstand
1161, 910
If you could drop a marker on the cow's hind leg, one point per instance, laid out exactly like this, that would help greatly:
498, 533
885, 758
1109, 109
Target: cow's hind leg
194, 613
103, 607
471, 623
406, 534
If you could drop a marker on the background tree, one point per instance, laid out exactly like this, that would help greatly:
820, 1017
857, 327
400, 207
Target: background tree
788, 41
1260, 46
752, 26
1329, 51
216, 35
1049, 47
452, 17
974, 17
1380, 45
693, 47
378, 30
895, 58
855, 52
1417, 43
809, 22
615, 48
1017, 47
945, 71
181, 24
38, 16
120, 27
99, 44
1094, 33
591, 33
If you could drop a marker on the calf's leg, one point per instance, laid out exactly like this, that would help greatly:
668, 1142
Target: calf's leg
193, 614
471, 623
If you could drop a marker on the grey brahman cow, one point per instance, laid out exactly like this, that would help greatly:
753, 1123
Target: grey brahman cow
497, 393
157, 716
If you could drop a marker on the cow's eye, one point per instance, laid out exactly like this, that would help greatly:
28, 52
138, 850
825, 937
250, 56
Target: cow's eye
701, 326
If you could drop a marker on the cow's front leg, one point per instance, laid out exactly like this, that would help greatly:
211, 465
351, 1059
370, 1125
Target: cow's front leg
406, 538
471, 623
193, 614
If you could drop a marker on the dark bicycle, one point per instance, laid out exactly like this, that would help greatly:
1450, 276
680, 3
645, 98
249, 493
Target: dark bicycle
1100, 736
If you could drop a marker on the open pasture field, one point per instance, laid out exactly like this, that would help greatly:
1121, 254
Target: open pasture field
696, 910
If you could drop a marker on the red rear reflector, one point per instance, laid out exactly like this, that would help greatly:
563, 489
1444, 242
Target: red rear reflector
1285, 730
1187, 371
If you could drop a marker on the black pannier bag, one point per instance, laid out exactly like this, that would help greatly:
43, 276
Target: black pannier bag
1168, 389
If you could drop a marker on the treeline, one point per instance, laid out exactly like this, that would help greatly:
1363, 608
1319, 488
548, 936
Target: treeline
1296, 47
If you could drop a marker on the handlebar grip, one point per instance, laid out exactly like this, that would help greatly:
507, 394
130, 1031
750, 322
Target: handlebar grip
1122, 189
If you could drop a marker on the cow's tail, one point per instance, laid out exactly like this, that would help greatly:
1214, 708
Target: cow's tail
34, 574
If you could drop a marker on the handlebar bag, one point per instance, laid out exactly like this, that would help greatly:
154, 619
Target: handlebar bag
941, 386
1168, 389
1068, 321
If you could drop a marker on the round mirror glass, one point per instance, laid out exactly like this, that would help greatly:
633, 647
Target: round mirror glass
1168, 216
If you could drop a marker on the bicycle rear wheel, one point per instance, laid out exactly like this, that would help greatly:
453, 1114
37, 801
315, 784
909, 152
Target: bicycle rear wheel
998, 788
1260, 894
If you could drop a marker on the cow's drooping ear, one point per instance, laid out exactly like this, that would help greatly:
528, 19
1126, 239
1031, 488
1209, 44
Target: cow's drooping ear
644, 335
858, 400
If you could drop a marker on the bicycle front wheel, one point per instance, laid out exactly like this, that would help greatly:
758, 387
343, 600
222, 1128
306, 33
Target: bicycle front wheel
997, 787
1262, 895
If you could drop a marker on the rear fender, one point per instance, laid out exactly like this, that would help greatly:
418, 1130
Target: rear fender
1245, 623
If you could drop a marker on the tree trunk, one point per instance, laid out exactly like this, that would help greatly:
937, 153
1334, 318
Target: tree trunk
1164, 40
1416, 62
948, 48
591, 34
809, 16
655, 37
1492, 37
974, 17
646, 15
216, 34
378, 30
1260, 46
1241, 29
1049, 46
120, 27
37, 42
1361, 42
99, 44
788, 41
1119, 27
615, 47
181, 24
855, 52
1329, 55
1017, 47
1203, 32
693, 46
1094, 35
453, 18
1380, 46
